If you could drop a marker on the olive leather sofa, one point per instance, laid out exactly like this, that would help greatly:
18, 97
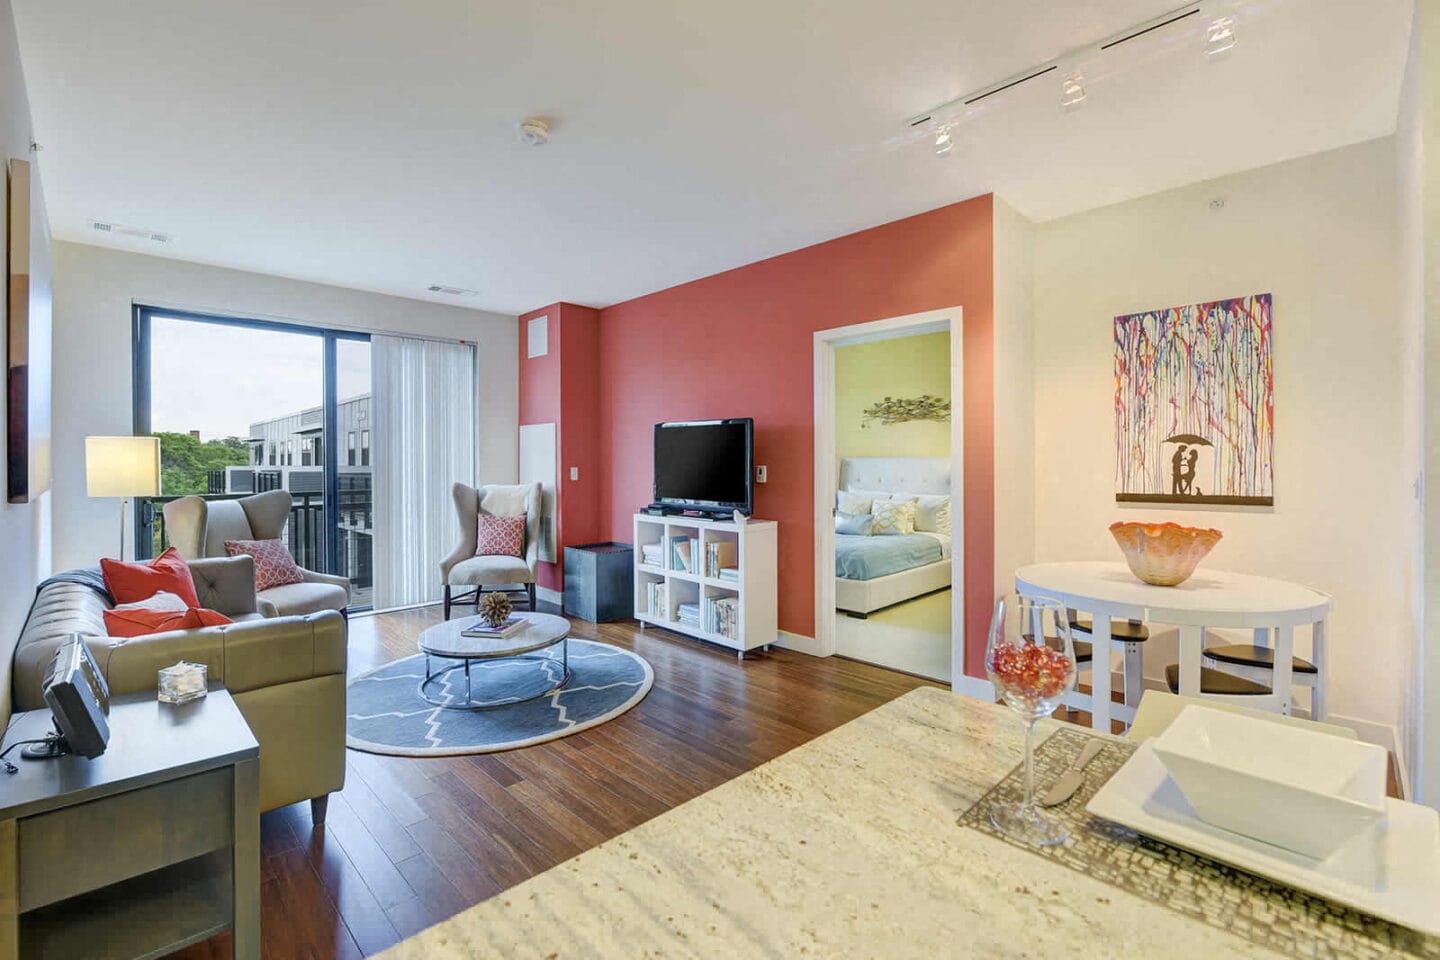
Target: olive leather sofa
287, 674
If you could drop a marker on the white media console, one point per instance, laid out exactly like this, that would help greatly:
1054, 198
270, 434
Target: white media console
750, 605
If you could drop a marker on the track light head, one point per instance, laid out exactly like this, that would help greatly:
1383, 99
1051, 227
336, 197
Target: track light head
944, 143
1219, 36
1072, 91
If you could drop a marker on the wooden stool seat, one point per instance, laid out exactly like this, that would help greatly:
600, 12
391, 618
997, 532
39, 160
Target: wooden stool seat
1121, 631
1249, 655
1217, 682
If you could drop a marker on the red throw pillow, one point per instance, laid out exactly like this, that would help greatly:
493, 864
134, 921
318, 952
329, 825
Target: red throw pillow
500, 536
133, 582
139, 623
274, 567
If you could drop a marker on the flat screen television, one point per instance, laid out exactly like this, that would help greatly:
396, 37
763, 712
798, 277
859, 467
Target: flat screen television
705, 465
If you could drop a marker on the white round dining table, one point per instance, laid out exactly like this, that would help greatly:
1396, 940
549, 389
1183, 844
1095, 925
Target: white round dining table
1210, 598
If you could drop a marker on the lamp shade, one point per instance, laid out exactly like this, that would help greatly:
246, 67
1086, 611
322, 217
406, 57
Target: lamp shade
122, 466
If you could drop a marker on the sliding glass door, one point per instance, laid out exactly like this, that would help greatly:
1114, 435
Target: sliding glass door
245, 406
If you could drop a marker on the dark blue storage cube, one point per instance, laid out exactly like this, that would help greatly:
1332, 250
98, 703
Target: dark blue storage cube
600, 581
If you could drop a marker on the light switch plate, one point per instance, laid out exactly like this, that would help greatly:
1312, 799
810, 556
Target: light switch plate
574, 473
761, 473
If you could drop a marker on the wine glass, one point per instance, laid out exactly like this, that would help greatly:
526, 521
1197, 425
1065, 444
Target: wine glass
1031, 661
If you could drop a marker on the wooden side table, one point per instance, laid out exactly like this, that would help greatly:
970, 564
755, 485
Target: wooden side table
150, 847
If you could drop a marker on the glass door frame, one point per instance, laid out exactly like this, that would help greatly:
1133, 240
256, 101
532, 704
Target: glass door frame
330, 336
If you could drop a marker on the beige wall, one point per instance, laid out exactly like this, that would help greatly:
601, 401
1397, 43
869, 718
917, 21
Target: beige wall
1014, 394
1410, 265
1319, 233
24, 527
900, 367
94, 291
1427, 118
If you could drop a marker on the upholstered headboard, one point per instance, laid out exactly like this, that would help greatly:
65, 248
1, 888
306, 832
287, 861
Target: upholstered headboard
896, 474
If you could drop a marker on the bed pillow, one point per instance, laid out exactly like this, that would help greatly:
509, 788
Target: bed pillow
932, 512
890, 518
857, 501
853, 524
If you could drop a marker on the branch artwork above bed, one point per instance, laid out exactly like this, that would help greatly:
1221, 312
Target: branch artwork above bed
891, 410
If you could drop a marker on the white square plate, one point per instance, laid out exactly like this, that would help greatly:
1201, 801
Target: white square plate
1391, 870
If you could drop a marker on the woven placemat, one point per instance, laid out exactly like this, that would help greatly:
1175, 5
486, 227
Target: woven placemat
1272, 915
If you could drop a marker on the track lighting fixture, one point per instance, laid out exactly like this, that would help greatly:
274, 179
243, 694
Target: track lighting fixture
944, 143
1072, 91
1219, 36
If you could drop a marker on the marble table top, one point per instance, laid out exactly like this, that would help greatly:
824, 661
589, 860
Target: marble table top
448, 639
846, 846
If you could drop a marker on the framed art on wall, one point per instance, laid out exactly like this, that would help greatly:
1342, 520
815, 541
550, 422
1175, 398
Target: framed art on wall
1194, 404
27, 347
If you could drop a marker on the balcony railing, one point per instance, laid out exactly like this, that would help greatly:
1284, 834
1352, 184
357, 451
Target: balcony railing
304, 534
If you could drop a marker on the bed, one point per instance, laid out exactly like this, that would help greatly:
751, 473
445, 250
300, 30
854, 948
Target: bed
879, 571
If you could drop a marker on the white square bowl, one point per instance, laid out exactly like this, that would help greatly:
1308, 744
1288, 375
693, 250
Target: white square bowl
1293, 788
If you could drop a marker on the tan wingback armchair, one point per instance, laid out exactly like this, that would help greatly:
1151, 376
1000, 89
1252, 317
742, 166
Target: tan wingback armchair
463, 570
199, 528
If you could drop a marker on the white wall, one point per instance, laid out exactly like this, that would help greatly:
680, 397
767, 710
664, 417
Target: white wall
1410, 265
1320, 234
1014, 311
95, 288
24, 527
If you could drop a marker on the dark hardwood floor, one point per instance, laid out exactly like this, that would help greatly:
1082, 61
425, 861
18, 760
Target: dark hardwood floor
411, 841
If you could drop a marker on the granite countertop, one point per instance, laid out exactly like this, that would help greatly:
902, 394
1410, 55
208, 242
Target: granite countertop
846, 846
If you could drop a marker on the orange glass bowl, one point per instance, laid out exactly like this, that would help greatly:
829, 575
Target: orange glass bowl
1163, 554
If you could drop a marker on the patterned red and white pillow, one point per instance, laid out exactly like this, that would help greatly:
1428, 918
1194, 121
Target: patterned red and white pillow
274, 567
499, 536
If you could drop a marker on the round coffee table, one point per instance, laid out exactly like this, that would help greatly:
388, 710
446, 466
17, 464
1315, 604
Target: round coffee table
446, 640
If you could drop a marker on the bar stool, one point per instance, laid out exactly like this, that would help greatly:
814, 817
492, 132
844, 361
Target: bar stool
1255, 662
1131, 633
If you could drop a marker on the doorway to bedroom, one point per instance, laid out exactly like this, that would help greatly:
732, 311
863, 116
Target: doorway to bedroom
891, 537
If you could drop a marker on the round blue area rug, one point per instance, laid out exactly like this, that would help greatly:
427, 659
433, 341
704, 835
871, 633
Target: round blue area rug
386, 714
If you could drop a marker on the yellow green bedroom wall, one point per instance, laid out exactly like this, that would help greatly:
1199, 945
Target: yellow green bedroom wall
903, 368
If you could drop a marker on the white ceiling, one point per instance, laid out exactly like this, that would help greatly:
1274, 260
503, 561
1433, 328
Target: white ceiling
371, 144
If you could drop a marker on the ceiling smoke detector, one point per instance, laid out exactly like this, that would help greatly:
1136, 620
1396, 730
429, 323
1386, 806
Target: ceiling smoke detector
534, 131
119, 229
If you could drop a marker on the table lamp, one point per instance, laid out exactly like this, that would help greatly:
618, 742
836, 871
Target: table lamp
122, 467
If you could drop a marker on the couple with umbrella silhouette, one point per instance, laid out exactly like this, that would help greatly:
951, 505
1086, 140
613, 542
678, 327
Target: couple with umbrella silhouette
1182, 463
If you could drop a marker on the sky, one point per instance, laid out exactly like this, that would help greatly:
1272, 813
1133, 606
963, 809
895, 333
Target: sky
220, 379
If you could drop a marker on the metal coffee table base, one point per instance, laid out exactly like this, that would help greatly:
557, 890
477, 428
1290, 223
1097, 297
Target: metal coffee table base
469, 702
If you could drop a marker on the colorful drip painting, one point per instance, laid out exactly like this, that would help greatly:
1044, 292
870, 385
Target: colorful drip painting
1194, 404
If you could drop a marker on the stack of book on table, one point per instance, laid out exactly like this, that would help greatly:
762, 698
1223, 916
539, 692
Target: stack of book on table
689, 613
513, 624
655, 600
681, 555
722, 616
652, 554
719, 555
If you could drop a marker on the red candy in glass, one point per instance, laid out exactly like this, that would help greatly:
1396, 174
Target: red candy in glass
1033, 672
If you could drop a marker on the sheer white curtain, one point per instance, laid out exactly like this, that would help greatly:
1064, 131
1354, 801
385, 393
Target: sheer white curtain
424, 440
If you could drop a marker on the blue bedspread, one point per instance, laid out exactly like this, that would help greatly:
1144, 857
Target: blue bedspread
866, 558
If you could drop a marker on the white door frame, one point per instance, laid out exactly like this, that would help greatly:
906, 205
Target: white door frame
826, 467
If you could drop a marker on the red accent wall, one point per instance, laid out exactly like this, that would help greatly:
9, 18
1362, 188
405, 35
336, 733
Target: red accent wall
740, 343
561, 387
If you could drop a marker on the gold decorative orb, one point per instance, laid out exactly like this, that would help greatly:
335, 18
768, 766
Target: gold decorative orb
495, 608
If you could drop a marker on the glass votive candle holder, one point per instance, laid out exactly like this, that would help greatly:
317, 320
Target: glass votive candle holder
183, 682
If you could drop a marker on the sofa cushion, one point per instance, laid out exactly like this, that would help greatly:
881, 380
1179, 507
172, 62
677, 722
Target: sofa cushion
129, 582
479, 571
139, 622
274, 567
61, 610
293, 599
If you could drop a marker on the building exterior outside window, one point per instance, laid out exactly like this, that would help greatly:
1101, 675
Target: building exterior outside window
364, 448
351, 457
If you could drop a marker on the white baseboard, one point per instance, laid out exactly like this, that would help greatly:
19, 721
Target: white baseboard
799, 643
548, 595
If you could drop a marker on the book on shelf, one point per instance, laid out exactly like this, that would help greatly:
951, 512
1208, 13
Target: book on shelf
719, 555
729, 573
688, 613
513, 624
681, 554
652, 555
722, 616
655, 601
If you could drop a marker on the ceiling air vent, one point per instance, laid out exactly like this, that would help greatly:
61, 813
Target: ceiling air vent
451, 291
122, 230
